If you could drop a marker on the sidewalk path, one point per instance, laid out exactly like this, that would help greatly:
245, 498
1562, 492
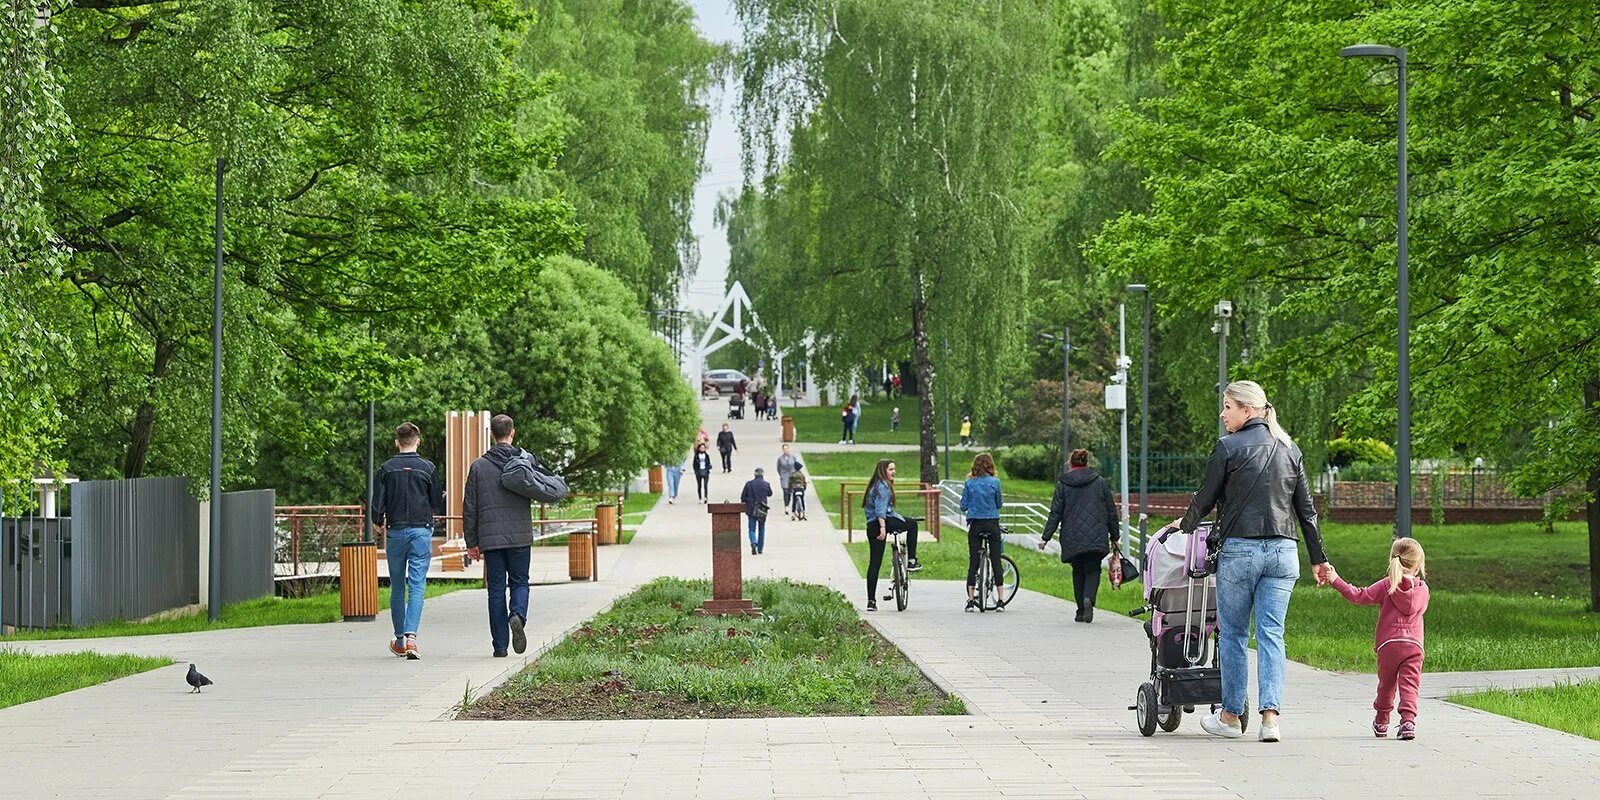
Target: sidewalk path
322, 711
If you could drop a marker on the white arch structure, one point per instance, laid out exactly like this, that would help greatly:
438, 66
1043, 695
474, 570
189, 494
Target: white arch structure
720, 333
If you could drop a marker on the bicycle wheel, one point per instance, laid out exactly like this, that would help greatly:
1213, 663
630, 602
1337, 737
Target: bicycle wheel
1010, 579
902, 586
985, 582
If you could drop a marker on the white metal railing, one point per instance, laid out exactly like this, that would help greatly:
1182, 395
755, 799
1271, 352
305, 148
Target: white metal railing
1024, 522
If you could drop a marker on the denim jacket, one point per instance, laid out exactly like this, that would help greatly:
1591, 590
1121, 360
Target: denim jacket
879, 502
980, 497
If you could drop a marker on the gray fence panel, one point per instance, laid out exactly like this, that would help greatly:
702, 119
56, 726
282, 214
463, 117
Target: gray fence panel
247, 544
35, 564
135, 548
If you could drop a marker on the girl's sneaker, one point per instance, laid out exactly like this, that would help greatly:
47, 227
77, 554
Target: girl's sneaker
1380, 729
1408, 731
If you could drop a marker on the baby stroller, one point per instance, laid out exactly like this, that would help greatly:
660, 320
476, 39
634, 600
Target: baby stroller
1182, 601
736, 407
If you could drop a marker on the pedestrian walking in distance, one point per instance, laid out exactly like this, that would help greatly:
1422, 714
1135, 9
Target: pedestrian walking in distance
726, 445
754, 496
786, 466
406, 496
702, 471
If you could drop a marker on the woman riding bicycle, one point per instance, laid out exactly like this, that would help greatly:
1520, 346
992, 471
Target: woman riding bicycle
981, 502
881, 519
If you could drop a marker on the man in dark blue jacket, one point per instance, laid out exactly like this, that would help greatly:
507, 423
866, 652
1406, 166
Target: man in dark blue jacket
406, 494
755, 495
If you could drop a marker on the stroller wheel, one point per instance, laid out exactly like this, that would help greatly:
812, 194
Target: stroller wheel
1144, 712
1172, 719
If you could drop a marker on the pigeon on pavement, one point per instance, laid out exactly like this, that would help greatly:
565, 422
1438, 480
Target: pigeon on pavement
195, 679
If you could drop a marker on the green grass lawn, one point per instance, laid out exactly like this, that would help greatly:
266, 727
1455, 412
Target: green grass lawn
322, 607
823, 424
25, 676
1503, 596
858, 466
652, 656
1569, 707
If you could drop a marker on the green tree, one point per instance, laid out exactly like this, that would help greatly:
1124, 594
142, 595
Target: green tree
372, 161
1271, 164
32, 126
893, 126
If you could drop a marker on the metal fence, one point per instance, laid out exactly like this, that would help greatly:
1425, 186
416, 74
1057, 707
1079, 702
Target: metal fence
35, 558
1169, 472
1447, 488
136, 548
248, 542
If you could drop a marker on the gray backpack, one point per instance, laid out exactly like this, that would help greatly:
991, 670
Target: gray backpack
524, 476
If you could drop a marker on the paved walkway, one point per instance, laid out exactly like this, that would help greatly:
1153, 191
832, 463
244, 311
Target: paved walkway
322, 711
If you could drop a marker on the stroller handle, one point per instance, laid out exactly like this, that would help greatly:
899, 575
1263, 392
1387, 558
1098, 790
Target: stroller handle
1140, 611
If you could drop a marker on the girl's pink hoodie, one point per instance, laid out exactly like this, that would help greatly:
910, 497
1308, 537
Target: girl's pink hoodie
1400, 615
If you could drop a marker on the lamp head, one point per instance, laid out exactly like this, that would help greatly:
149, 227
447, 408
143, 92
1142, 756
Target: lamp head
1137, 287
1373, 51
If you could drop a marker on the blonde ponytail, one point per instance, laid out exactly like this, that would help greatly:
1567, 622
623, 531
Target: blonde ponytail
1406, 558
1396, 571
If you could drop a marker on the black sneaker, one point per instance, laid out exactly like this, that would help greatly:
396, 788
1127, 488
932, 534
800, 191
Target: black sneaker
1078, 617
872, 605
519, 639
972, 605
914, 566
501, 654
1088, 614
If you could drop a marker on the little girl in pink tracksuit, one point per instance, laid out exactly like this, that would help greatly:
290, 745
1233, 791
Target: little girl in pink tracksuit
1403, 598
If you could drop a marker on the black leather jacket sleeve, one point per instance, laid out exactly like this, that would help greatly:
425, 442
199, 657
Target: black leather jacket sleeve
1210, 491
1306, 511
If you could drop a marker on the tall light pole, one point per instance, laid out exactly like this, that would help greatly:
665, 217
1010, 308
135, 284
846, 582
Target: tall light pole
1402, 493
1066, 387
1224, 313
947, 415
1144, 417
214, 565
1123, 362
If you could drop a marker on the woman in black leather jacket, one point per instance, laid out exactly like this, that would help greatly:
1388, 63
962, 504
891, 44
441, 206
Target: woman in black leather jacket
1257, 482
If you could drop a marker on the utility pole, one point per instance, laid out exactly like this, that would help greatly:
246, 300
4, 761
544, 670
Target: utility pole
214, 566
1224, 313
947, 413
1123, 362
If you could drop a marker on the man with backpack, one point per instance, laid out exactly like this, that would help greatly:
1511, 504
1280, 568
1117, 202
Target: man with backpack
497, 519
755, 494
406, 495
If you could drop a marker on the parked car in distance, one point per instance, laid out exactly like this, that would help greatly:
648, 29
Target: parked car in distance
726, 380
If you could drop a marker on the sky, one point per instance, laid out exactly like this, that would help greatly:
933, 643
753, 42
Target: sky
717, 22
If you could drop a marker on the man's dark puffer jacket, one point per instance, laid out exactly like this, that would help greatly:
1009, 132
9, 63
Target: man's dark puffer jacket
1258, 486
494, 517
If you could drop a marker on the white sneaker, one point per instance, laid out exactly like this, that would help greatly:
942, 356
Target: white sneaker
841, 441
1268, 733
1213, 724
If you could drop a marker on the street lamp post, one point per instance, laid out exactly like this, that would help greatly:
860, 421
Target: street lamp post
947, 415
1144, 417
1402, 495
214, 565
1066, 386
1224, 313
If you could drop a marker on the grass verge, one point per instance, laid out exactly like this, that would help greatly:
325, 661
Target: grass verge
1568, 707
1483, 616
652, 657
857, 467
256, 613
822, 423
25, 677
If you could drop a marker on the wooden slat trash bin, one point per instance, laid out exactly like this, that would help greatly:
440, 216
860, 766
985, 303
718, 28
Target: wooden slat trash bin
605, 520
582, 555
788, 428
657, 478
358, 581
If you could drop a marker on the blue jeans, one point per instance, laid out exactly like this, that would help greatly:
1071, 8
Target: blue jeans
408, 550
502, 569
758, 533
1254, 575
674, 474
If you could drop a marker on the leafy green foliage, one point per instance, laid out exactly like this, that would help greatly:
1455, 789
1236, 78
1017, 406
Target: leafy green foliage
1342, 452
1033, 461
887, 220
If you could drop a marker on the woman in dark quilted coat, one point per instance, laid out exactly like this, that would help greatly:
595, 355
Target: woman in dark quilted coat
1087, 515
